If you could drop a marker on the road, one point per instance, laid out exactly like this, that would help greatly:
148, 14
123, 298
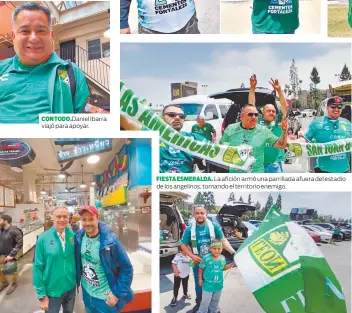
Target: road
208, 13
236, 17
236, 296
338, 1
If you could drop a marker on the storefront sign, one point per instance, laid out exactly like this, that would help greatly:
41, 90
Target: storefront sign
72, 141
7, 197
15, 149
81, 151
2, 199
145, 209
119, 196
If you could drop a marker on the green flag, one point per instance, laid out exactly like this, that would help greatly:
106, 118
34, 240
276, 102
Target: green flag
286, 271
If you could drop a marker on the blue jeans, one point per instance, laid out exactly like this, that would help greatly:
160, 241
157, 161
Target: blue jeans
210, 302
273, 168
287, 33
67, 300
95, 305
198, 288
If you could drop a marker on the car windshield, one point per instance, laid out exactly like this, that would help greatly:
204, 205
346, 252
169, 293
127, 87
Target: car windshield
192, 110
319, 228
250, 226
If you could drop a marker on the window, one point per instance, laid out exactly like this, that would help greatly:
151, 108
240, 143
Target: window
223, 109
94, 51
105, 47
212, 109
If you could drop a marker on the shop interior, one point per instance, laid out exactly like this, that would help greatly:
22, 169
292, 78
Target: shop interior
114, 175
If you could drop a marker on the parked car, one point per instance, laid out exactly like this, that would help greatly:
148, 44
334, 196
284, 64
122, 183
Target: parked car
256, 223
229, 218
346, 232
309, 113
214, 111
324, 235
172, 227
251, 228
315, 236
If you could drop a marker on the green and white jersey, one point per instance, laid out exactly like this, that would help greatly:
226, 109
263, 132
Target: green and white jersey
275, 16
258, 137
27, 91
350, 14
213, 273
165, 16
206, 131
94, 279
323, 130
272, 154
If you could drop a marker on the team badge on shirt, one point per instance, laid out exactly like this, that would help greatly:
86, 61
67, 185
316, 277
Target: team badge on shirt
64, 76
90, 275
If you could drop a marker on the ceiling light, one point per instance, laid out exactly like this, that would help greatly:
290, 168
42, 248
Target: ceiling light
62, 175
17, 169
82, 185
93, 159
43, 192
93, 183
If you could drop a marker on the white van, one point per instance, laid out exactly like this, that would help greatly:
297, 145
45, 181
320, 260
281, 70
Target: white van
214, 111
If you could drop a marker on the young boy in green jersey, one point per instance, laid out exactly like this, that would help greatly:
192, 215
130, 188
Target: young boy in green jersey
211, 277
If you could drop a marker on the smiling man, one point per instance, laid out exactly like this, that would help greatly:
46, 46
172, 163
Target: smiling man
103, 266
36, 81
329, 128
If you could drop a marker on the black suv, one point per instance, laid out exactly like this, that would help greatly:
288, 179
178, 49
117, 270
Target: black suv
229, 218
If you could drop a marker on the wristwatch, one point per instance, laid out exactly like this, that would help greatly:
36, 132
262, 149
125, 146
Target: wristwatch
41, 298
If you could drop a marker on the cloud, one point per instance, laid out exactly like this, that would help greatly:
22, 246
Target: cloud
229, 67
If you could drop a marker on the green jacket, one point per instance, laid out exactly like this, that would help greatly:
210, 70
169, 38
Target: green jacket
54, 271
350, 14
59, 92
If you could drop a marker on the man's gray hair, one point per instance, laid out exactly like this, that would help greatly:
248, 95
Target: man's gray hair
60, 207
31, 6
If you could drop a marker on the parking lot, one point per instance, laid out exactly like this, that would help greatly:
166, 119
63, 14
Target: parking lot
236, 296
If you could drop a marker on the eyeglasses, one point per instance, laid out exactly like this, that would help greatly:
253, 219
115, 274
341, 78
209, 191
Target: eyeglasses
174, 114
336, 106
253, 114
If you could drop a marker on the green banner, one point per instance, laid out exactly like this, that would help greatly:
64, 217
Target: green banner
286, 271
135, 108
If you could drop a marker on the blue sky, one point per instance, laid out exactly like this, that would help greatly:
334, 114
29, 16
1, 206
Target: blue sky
225, 65
337, 204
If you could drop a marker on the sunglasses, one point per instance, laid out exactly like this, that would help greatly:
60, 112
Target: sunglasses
173, 115
336, 106
253, 114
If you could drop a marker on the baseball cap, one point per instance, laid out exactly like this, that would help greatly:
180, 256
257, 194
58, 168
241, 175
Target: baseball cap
335, 100
91, 209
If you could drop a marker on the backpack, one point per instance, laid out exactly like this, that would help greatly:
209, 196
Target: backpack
72, 78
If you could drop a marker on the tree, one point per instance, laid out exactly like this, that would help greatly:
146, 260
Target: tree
279, 202
205, 198
268, 205
231, 197
315, 215
294, 89
240, 199
249, 199
315, 93
345, 74
242, 85
257, 206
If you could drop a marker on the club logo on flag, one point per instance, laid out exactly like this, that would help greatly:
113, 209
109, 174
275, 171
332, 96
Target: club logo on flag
267, 251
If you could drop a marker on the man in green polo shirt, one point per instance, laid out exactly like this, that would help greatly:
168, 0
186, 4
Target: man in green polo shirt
36, 81
247, 131
273, 157
54, 266
203, 128
329, 128
275, 16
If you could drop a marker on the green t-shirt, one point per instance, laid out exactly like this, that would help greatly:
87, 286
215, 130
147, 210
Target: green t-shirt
272, 154
213, 273
174, 160
202, 237
258, 137
323, 130
206, 131
27, 91
275, 16
94, 279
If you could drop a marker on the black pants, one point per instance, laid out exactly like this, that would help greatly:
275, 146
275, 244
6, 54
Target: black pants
177, 283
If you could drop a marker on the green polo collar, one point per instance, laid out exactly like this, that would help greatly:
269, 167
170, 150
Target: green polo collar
18, 66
